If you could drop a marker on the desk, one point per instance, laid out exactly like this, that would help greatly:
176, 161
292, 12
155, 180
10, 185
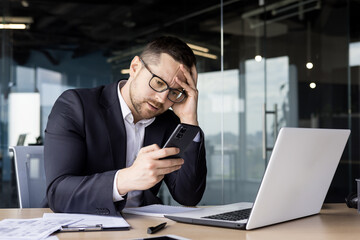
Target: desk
335, 221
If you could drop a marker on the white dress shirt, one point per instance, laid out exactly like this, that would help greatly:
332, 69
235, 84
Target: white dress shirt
135, 139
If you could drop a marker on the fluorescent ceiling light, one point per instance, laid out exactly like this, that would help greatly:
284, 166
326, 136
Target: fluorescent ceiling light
13, 26
201, 51
207, 55
196, 47
16, 20
25, 3
125, 71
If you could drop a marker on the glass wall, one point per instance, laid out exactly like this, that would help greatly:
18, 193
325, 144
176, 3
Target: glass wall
262, 65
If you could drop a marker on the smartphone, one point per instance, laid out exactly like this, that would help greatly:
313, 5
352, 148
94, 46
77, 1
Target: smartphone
181, 138
164, 237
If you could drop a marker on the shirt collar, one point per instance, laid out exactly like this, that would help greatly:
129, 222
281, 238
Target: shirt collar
126, 112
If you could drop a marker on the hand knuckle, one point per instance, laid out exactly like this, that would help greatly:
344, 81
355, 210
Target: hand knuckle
153, 175
150, 165
164, 151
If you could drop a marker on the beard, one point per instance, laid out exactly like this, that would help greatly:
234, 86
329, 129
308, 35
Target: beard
140, 105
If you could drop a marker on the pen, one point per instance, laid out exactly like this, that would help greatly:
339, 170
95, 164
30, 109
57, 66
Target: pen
155, 229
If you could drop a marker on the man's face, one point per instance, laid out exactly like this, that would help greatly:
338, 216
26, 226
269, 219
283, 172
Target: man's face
146, 102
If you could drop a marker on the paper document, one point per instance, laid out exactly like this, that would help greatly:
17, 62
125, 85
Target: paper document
30, 229
89, 221
157, 210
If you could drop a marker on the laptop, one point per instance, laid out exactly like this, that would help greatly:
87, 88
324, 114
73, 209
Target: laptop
295, 183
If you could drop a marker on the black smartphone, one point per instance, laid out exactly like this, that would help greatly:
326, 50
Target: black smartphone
181, 138
165, 237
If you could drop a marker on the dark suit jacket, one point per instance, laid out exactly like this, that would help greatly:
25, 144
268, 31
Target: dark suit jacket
85, 144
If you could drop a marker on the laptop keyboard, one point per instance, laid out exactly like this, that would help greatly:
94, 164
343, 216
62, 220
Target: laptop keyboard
232, 216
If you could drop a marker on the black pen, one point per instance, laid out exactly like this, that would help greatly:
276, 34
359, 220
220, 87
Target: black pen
155, 229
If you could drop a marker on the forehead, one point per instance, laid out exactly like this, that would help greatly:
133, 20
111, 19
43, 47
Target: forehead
167, 68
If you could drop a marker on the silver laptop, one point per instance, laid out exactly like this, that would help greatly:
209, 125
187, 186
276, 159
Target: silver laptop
295, 183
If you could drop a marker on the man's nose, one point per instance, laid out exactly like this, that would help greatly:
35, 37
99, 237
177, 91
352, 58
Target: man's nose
162, 96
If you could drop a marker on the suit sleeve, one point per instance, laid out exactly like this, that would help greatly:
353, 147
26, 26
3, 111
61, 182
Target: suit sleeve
71, 187
187, 185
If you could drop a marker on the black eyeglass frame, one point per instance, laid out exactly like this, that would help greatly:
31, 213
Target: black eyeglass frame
167, 85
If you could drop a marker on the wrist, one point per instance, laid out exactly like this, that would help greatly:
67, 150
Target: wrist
122, 182
190, 121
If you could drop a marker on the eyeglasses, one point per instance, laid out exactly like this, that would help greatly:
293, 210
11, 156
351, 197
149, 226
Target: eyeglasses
159, 85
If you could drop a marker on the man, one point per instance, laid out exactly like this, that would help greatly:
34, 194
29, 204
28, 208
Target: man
102, 145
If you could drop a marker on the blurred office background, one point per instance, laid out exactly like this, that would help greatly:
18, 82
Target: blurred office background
280, 62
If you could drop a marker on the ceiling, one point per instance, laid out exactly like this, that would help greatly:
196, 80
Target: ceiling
119, 28
83, 27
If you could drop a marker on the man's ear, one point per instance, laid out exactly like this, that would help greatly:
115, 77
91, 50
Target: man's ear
135, 66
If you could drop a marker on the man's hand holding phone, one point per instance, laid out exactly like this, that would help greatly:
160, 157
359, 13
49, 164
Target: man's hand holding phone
147, 170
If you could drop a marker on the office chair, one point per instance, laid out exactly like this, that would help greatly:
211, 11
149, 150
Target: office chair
30, 175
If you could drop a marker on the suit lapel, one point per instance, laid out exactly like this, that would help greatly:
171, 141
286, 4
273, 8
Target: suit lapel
115, 124
154, 134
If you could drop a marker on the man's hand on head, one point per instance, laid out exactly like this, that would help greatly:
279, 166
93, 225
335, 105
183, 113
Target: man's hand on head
187, 109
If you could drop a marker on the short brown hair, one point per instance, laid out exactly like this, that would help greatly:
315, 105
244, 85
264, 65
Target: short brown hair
173, 46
